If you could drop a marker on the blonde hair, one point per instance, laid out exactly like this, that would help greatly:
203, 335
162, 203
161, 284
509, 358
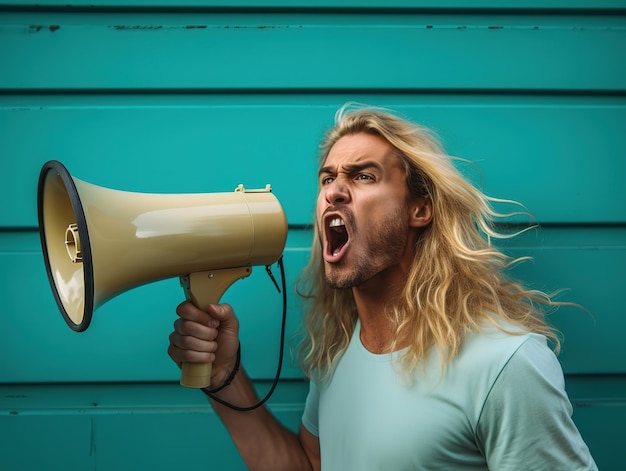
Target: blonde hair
457, 279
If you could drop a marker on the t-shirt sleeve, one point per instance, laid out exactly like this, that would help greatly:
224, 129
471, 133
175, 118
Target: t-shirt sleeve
526, 419
310, 417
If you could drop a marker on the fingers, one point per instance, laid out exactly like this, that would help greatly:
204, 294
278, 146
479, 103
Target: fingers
195, 329
195, 336
186, 348
188, 311
185, 355
193, 339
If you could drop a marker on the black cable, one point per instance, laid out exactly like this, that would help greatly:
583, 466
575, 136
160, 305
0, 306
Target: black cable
280, 355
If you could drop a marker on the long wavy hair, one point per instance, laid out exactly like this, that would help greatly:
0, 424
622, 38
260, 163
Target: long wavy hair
457, 281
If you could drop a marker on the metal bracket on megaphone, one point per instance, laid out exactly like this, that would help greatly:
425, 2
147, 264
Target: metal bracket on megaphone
267, 189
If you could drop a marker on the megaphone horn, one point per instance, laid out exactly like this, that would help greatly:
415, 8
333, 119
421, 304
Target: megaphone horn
99, 242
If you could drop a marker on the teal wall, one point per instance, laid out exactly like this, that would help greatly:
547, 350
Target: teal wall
199, 96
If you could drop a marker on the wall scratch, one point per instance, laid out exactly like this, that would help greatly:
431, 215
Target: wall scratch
92, 439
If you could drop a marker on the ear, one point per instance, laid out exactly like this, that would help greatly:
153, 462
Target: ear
421, 212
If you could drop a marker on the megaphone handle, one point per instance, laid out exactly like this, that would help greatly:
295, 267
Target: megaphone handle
204, 288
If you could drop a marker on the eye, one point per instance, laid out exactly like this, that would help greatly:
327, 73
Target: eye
363, 177
326, 180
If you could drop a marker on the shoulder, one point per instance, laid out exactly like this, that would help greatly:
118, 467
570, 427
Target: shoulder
531, 373
492, 356
490, 350
513, 356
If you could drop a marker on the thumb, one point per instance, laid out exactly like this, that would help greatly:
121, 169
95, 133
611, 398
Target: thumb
225, 315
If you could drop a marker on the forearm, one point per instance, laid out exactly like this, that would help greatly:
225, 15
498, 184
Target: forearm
263, 442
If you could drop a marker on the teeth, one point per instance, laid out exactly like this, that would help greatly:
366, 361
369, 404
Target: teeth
335, 222
337, 225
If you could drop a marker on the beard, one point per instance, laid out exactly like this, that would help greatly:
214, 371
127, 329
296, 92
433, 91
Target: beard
380, 246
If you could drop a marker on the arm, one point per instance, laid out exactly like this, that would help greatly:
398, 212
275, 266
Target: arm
262, 441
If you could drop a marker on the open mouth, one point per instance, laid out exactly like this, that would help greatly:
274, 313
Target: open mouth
336, 236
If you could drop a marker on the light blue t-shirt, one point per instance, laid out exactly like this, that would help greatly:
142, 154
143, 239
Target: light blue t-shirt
500, 404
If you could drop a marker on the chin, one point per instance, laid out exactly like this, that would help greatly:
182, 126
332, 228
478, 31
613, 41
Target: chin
344, 278
338, 281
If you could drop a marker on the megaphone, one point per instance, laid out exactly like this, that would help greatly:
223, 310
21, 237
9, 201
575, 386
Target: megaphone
99, 242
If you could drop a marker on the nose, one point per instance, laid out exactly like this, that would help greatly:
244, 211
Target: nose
337, 192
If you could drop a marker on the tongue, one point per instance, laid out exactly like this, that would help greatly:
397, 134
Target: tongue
339, 238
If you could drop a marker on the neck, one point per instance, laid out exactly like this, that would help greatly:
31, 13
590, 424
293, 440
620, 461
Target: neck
376, 296
373, 300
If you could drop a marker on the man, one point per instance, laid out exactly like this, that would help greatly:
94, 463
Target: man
422, 354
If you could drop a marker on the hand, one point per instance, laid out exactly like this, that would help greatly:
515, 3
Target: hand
206, 337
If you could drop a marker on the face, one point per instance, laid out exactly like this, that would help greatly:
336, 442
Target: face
363, 211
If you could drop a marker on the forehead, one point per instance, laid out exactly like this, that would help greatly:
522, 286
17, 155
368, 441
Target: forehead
355, 148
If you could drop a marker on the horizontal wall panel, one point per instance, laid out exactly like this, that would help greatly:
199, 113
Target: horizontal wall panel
562, 157
143, 51
104, 426
128, 337
600, 414
330, 4
602, 427
592, 276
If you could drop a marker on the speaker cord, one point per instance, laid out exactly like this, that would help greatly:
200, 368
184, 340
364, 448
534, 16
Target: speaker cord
280, 354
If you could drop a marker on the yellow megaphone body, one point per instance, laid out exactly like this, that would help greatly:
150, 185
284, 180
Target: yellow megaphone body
98, 242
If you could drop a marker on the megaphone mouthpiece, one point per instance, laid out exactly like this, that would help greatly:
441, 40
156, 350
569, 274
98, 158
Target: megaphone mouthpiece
72, 243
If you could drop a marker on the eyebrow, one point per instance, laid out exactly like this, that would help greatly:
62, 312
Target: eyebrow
352, 168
